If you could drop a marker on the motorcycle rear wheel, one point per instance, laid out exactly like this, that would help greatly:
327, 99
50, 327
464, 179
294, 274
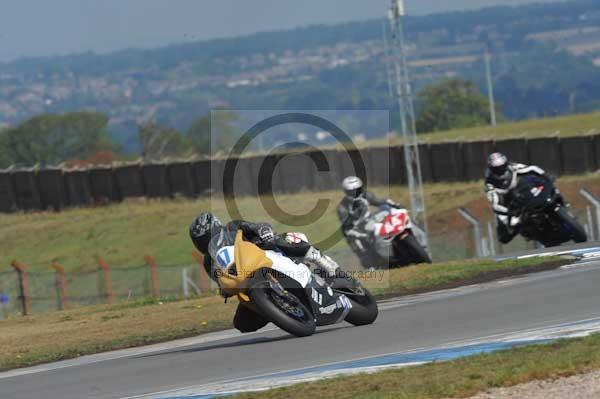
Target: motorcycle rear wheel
576, 231
417, 252
285, 311
364, 306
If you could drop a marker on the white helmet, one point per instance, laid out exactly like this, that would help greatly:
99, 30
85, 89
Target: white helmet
353, 186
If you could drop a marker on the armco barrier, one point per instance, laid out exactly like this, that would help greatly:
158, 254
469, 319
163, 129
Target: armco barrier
446, 162
426, 165
51, 188
216, 176
26, 190
266, 166
155, 180
243, 183
129, 181
103, 187
474, 158
289, 172
515, 148
596, 146
397, 168
201, 172
347, 167
77, 187
8, 200
322, 178
378, 166
296, 171
545, 153
335, 177
577, 155
264, 169
181, 179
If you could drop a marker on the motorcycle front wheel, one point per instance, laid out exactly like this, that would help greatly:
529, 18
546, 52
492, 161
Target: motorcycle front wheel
283, 309
418, 254
568, 221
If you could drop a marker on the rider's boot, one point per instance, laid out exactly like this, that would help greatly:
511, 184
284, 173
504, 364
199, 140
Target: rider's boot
323, 262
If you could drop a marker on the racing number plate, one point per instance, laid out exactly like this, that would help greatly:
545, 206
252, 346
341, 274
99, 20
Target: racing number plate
393, 224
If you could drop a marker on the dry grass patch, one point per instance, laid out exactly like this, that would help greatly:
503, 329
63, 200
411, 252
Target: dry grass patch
66, 334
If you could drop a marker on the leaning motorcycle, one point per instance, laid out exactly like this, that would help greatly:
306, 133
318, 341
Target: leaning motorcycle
544, 217
389, 237
288, 293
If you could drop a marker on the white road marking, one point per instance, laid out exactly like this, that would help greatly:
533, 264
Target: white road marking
131, 352
269, 381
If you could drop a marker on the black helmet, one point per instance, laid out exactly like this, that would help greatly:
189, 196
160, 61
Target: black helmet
353, 186
498, 167
203, 228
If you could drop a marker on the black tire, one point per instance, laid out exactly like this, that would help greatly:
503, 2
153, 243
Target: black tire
576, 231
364, 306
417, 252
262, 296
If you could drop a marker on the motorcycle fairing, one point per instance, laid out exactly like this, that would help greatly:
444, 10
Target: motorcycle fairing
330, 307
296, 271
388, 224
327, 306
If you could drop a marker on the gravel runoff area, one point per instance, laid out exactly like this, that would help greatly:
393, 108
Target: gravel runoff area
584, 386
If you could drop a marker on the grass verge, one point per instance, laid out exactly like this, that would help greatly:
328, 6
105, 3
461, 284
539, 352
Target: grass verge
459, 378
123, 233
25, 341
563, 126
427, 278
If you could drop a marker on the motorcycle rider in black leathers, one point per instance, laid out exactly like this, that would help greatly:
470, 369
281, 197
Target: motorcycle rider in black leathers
501, 177
206, 226
352, 212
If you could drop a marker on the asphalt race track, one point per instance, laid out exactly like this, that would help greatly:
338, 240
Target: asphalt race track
565, 296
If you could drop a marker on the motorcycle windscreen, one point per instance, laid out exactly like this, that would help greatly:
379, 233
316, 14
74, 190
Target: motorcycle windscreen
249, 257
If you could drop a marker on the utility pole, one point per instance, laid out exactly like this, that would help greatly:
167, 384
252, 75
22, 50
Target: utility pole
388, 69
404, 96
490, 84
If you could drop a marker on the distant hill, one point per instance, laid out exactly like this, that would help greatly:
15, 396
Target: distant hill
543, 65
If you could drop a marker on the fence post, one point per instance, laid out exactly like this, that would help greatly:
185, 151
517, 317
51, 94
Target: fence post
476, 230
590, 223
203, 282
107, 280
61, 286
596, 203
153, 276
24, 296
492, 239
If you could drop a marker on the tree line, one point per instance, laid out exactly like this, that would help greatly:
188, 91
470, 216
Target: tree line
51, 139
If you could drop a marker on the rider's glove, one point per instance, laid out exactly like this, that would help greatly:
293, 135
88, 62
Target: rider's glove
266, 233
224, 294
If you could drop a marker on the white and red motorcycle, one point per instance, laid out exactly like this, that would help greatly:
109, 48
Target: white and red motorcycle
389, 238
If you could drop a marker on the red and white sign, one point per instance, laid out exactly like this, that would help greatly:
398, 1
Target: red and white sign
394, 224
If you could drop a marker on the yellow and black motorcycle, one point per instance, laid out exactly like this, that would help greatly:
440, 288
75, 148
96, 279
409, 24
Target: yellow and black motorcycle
286, 292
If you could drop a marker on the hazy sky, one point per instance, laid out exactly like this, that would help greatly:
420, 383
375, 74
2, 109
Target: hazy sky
42, 27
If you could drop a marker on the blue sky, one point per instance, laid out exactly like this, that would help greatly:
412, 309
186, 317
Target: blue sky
44, 27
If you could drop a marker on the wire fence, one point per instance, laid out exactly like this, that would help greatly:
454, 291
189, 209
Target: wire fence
26, 290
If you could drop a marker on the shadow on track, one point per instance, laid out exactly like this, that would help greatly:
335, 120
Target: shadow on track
240, 343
